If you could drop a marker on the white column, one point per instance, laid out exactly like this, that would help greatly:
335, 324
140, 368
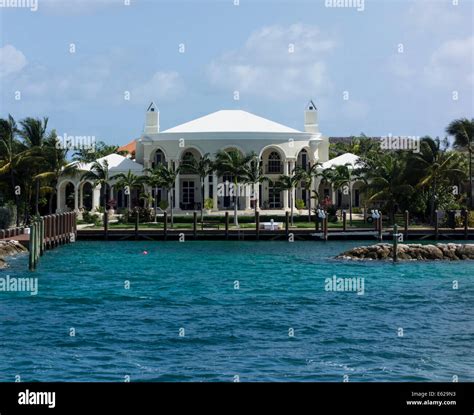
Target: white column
177, 191
214, 194
293, 191
81, 195
96, 197
206, 189
285, 192
333, 195
76, 197
58, 199
247, 193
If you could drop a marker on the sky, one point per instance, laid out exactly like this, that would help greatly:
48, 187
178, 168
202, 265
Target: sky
379, 67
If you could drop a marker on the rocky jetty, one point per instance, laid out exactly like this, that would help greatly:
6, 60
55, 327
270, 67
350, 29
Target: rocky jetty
9, 248
447, 252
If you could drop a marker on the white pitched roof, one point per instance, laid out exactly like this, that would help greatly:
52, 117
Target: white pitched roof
231, 121
117, 163
342, 160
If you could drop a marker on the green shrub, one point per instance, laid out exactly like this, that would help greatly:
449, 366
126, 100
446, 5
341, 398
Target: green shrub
208, 203
89, 217
144, 215
163, 204
299, 203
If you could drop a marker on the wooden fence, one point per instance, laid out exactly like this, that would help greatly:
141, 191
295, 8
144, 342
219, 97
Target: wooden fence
47, 232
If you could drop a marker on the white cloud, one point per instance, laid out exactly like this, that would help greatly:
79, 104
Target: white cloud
11, 60
452, 64
431, 15
161, 86
276, 62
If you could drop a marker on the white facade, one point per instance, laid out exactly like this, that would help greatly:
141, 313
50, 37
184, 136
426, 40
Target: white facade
280, 149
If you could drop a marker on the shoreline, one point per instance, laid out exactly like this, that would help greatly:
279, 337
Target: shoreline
9, 248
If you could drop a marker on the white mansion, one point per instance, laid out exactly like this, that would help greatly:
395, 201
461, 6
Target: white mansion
279, 147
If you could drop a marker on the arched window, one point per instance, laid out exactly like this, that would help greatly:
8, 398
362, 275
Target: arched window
187, 159
274, 163
159, 158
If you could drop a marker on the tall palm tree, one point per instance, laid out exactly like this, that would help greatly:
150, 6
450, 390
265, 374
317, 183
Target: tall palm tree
253, 175
99, 174
154, 180
306, 176
130, 182
435, 167
56, 166
11, 156
288, 183
462, 130
33, 131
166, 178
234, 164
203, 168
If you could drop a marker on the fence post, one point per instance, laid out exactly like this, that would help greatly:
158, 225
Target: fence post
137, 221
380, 220
466, 222
106, 224
41, 235
195, 224
407, 221
344, 220
226, 225
325, 226
257, 226
31, 256
436, 224
165, 225
395, 243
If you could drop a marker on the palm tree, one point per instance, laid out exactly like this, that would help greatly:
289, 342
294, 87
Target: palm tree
129, 181
154, 180
165, 177
57, 166
253, 175
11, 155
462, 131
386, 179
99, 174
436, 167
306, 176
342, 176
234, 164
288, 183
33, 132
203, 168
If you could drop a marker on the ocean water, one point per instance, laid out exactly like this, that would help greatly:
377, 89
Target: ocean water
222, 311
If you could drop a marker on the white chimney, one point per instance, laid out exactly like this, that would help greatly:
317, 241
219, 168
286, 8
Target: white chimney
311, 118
152, 122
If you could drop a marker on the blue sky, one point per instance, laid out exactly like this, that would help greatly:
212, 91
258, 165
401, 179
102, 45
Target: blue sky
399, 63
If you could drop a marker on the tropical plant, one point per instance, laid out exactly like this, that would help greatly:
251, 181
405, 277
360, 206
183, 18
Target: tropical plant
462, 130
99, 174
234, 164
286, 182
203, 168
129, 182
253, 175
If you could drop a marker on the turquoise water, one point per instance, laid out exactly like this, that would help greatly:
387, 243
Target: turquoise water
232, 332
